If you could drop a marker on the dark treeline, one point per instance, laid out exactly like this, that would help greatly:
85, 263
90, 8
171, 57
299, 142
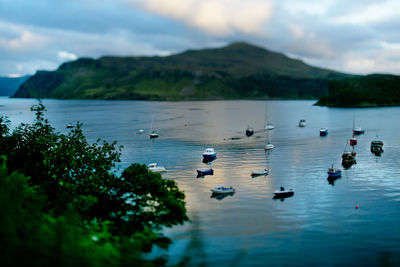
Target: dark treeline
62, 204
370, 90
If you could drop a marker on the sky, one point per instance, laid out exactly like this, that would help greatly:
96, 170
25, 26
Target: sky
358, 36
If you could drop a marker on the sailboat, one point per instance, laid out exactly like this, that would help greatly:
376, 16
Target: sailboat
348, 157
358, 130
268, 126
153, 134
353, 139
255, 173
268, 145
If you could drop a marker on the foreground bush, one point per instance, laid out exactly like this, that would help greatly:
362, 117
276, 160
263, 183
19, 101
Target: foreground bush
76, 208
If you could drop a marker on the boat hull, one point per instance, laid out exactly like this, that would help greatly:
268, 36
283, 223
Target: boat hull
249, 133
269, 147
334, 174
225, 191
209, 156
259, 173
283, 194
202, 172
353, 141
323, 133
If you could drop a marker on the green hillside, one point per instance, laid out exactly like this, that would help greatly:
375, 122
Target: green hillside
363, 91
237, 71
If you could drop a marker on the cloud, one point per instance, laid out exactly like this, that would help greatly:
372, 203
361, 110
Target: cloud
372, 13
64, 55
20, 39
358, 36
28, 42
217, 17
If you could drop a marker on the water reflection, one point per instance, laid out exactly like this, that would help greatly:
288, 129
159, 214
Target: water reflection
250, 224
331, 180
221, 196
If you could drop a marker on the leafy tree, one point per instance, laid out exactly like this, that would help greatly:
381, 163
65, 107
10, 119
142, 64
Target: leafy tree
77, 181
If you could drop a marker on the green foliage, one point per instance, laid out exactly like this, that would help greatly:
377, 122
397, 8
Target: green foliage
30, 237
238, 71
73, 191
370, 90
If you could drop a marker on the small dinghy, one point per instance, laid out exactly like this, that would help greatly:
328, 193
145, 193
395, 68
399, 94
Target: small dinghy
302, 123
209, 154
269, 146
323, 131
282, 193
334, 173
249, 131
259, 172
154, 168
219, 189
201, 172
154, 134
269, 126
141, 131
358, 131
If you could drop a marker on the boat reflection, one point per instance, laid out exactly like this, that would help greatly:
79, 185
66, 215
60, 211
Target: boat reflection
331, 180
348, 163
282, 198
209, 160
220, 196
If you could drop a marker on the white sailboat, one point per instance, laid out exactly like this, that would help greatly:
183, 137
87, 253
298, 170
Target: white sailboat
268, 126
153, 134
264, 172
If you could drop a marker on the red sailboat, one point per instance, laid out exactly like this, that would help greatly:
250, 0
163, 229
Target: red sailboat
353, 139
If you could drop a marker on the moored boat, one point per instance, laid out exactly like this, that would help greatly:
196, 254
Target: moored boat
141, 131
376, 147
358, 131
203, 171
269, 126
69, 126
153, 167
259, 172
269, 146
348, 159
353, 141
249, 131
153, 134
347, 155
219, 189
334, 173
323, 131
209, 153
282, 193
302, 123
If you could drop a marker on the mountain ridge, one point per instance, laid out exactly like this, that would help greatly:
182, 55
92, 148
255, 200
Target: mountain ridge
236, 71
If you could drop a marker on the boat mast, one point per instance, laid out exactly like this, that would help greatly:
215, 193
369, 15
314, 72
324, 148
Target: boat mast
151, 124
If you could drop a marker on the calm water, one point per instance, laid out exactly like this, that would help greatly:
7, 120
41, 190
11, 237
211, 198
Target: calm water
319, 225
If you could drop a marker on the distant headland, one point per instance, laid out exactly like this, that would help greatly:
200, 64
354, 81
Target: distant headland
237, 71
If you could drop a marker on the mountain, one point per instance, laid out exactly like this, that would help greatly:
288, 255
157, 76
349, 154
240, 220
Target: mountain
237, 71
363, 91
9, 85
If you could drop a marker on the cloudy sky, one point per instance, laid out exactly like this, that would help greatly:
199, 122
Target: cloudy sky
358, 36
